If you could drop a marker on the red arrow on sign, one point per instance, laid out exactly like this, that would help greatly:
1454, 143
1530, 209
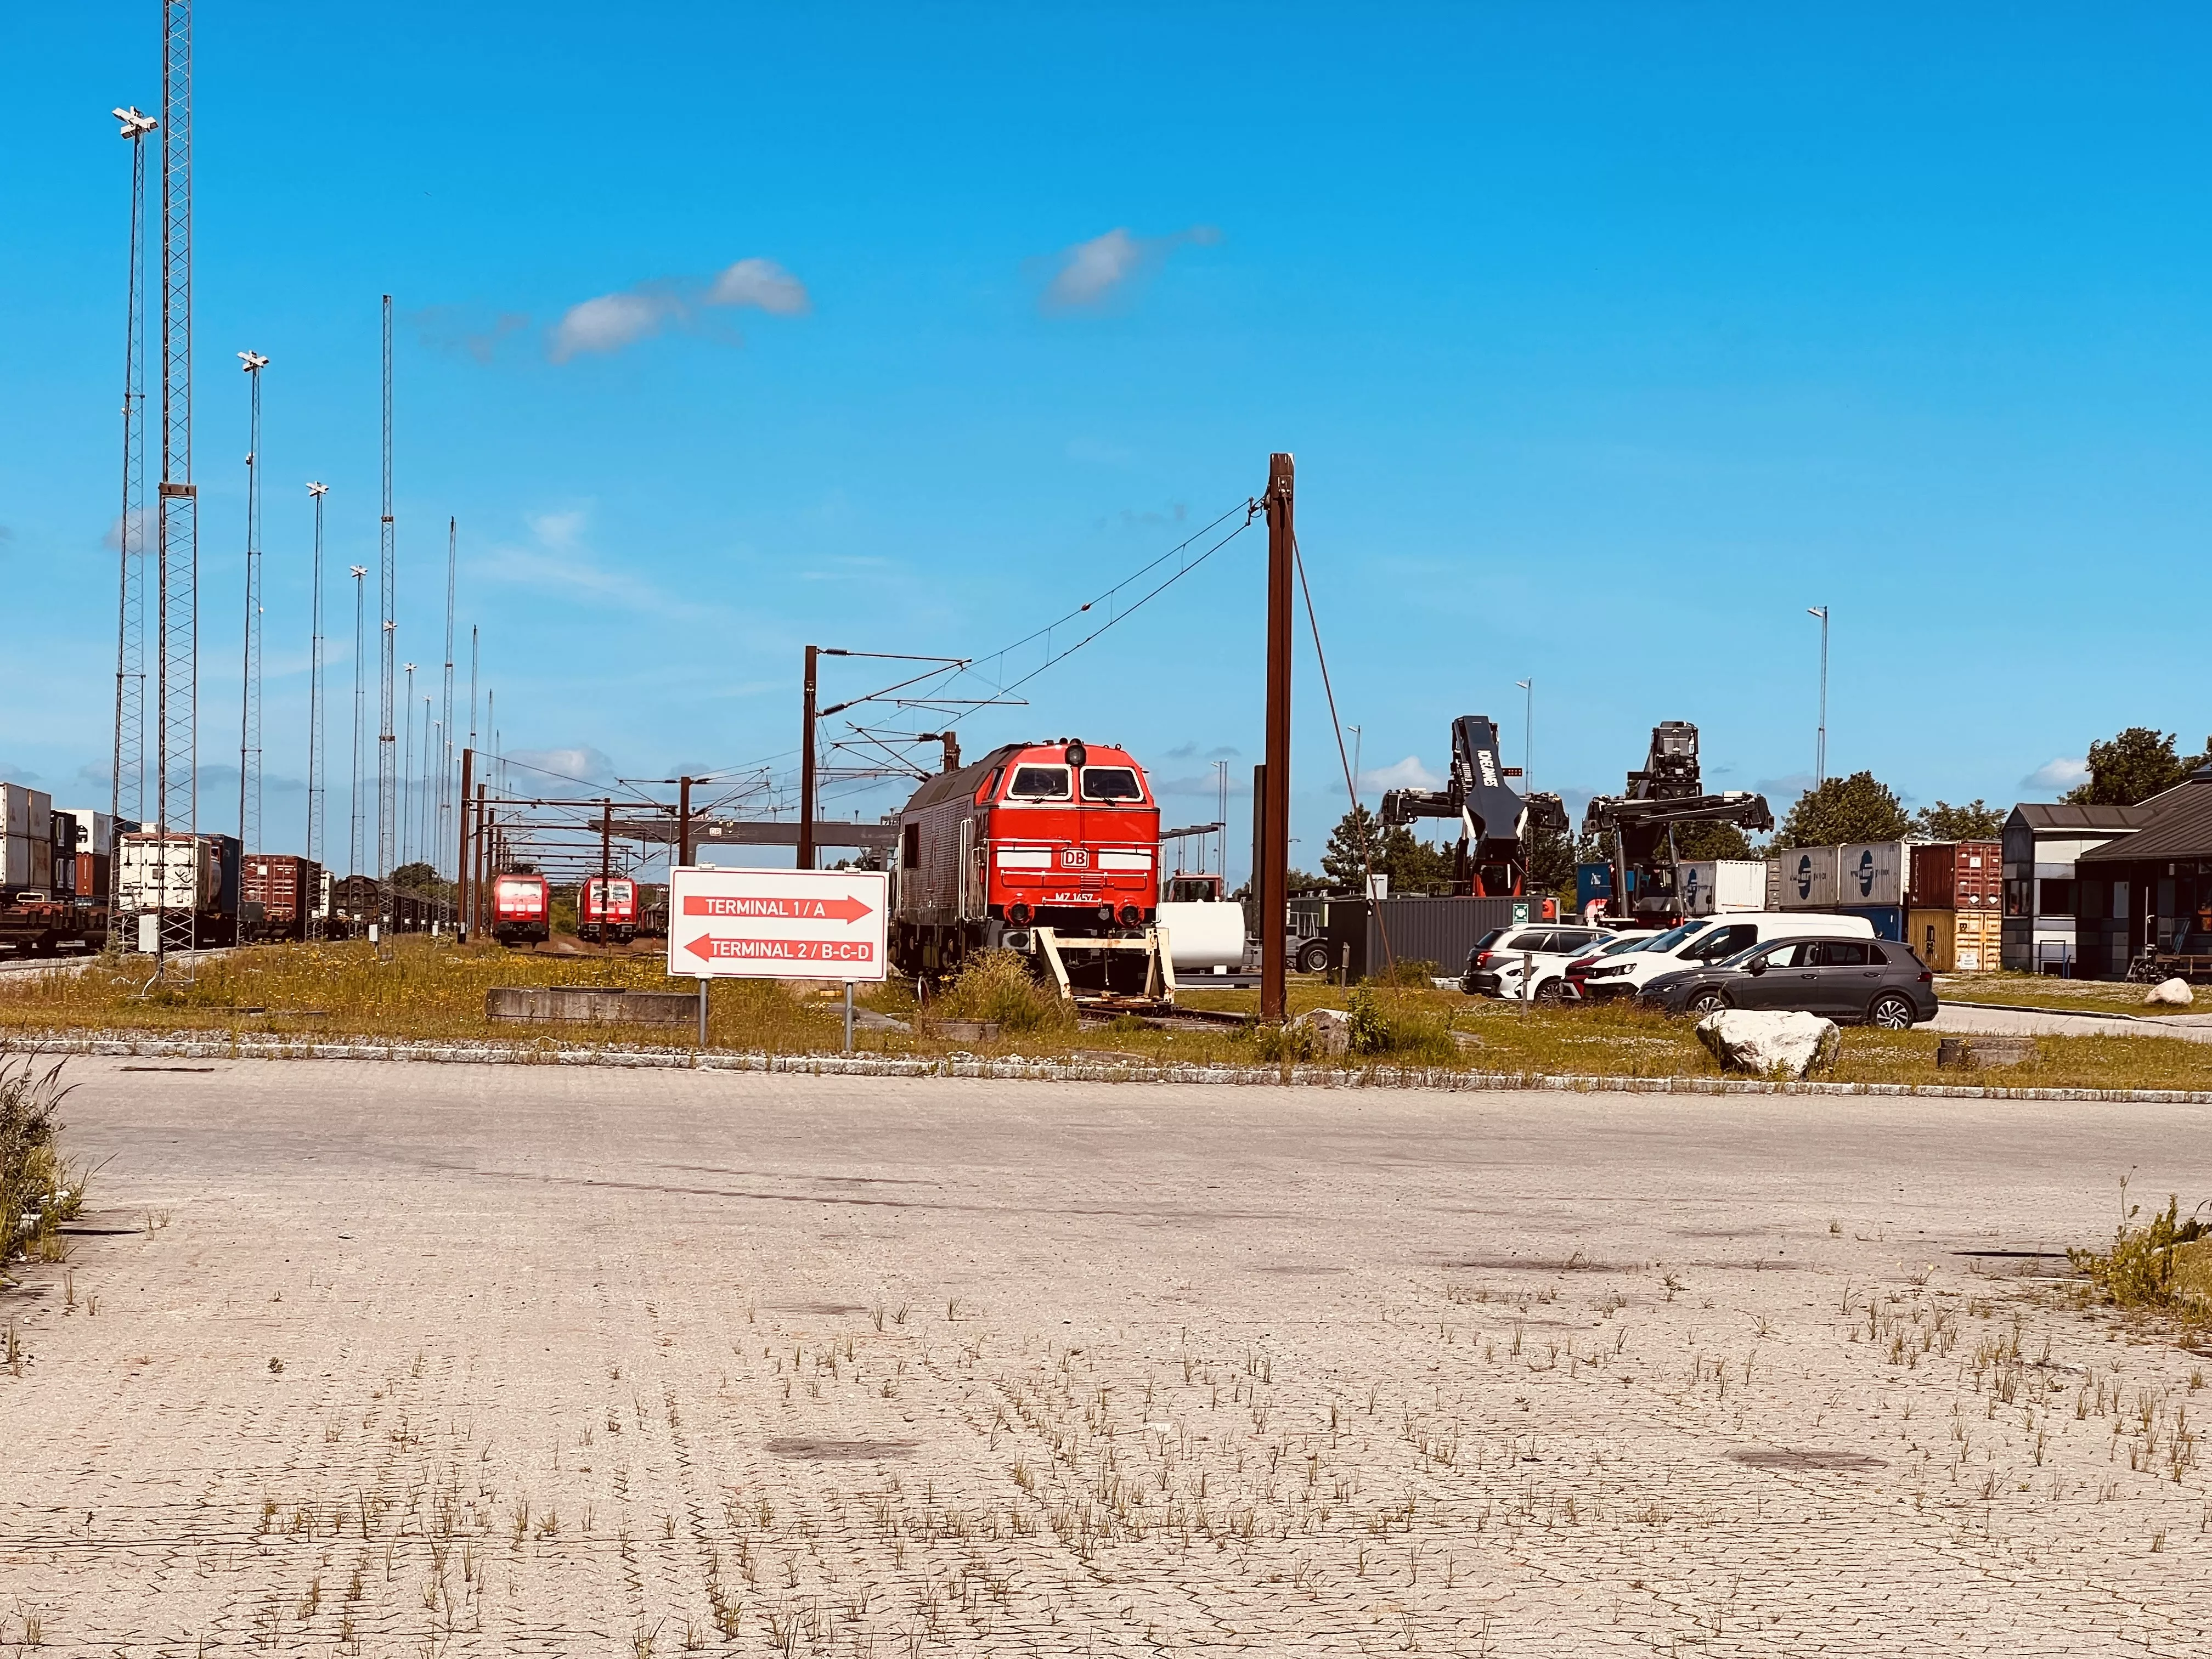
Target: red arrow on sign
776, 909
709, 948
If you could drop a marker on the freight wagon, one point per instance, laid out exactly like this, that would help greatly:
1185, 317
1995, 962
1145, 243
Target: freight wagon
1048, 849
195, 876
607, 909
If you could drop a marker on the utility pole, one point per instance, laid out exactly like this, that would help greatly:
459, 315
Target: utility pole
406, 762
127, 800
1271, 880
683, 821
461, 852
387, 740
806, 861
607, 863
1820, 742
249, 720
475, 885
316, 848
176, 753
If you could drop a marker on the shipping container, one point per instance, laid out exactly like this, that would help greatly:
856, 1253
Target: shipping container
1717, 886
1594, 880
279, 893
28, 862
93, 870
27, 812
1886, 920
1957, 875
1774, 884
95, 831
174, 872
1808, 878
1441, 931
1872, 873
1957, 941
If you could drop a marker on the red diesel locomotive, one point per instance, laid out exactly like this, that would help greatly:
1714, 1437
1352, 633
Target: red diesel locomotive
1056, 836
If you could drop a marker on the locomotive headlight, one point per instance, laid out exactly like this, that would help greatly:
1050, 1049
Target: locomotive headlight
1019, 914
1131, 916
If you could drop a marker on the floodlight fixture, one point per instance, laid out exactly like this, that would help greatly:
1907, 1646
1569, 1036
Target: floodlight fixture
137, 124
252, 362
319, 489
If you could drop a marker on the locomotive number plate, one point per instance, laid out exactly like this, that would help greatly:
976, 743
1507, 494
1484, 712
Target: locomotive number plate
1075, 857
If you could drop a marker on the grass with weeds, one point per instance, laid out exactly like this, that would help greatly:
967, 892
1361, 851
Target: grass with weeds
2080, 996
431, 990
2137, 1271
38, 1189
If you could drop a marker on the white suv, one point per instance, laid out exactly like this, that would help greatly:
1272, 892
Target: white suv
1493, 967
1702, 939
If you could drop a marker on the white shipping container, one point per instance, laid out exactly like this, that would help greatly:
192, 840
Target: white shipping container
95, 831
1872, 873
29, 811
28, 863
184, 867
1723, 886
1808, 879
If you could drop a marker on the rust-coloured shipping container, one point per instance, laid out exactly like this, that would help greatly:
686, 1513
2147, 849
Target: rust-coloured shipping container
284, 887
1957, 875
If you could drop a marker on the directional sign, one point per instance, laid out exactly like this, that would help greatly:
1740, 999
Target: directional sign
777, 924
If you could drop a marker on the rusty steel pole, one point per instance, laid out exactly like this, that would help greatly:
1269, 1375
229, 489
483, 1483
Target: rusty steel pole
476, 887
683, 820
806, 767
1271, 880
461, 852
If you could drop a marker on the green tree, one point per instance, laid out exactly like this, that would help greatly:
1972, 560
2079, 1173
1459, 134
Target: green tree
1976, 821
1355, 847
1711, 841
1413, 865
421, 878
2136, 764
1362, 843
1856, 808
1551, 861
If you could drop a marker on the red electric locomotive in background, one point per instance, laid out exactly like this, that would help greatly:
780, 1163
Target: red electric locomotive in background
521, 909
1044, 848
606, 907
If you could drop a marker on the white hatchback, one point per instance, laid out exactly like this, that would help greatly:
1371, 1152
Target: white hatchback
1698, 941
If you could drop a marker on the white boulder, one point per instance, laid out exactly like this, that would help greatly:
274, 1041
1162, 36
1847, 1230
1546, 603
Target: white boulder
2172, 993
1331, 1028
1769, 1044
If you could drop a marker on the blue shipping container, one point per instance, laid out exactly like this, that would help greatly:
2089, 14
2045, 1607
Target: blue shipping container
1888, 920
1594, 881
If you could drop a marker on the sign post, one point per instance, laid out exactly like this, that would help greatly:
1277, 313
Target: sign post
778, 924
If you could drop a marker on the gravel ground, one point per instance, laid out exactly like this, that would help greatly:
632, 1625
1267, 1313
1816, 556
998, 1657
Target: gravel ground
522, 1359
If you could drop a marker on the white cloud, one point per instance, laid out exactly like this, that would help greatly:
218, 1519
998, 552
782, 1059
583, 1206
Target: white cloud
1092, 272
611, 322
2057, 775
1407, 773
580, 761
760, 282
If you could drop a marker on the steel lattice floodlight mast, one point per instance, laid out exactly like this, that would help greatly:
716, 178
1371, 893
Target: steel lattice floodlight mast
127, 775
317, 848
177, 585
443, 836
387, 738
249, 725
359, 642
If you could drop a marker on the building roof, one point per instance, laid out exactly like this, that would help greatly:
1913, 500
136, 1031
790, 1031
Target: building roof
2065, 815
2178, 825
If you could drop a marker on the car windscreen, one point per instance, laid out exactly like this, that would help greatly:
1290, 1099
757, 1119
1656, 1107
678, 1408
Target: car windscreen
1621, 947
1111, 783
1674, 938
1039, 783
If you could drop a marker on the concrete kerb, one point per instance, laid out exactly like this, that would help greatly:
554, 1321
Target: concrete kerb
1014, 1067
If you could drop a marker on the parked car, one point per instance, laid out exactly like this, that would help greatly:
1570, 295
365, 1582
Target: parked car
1569, 984
1702, 939
1849, 980
1493, 967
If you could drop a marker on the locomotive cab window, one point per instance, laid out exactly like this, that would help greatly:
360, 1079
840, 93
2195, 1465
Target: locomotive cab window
1111, 783
1039, 783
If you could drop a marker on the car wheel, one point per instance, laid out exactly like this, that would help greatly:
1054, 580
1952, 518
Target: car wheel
1552, 990
1706, 1002
1314, 959
1891, 1012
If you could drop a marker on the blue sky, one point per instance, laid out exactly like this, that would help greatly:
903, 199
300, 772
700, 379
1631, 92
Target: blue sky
1608, 339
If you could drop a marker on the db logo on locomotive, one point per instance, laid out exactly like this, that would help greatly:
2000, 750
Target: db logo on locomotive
1075, 857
